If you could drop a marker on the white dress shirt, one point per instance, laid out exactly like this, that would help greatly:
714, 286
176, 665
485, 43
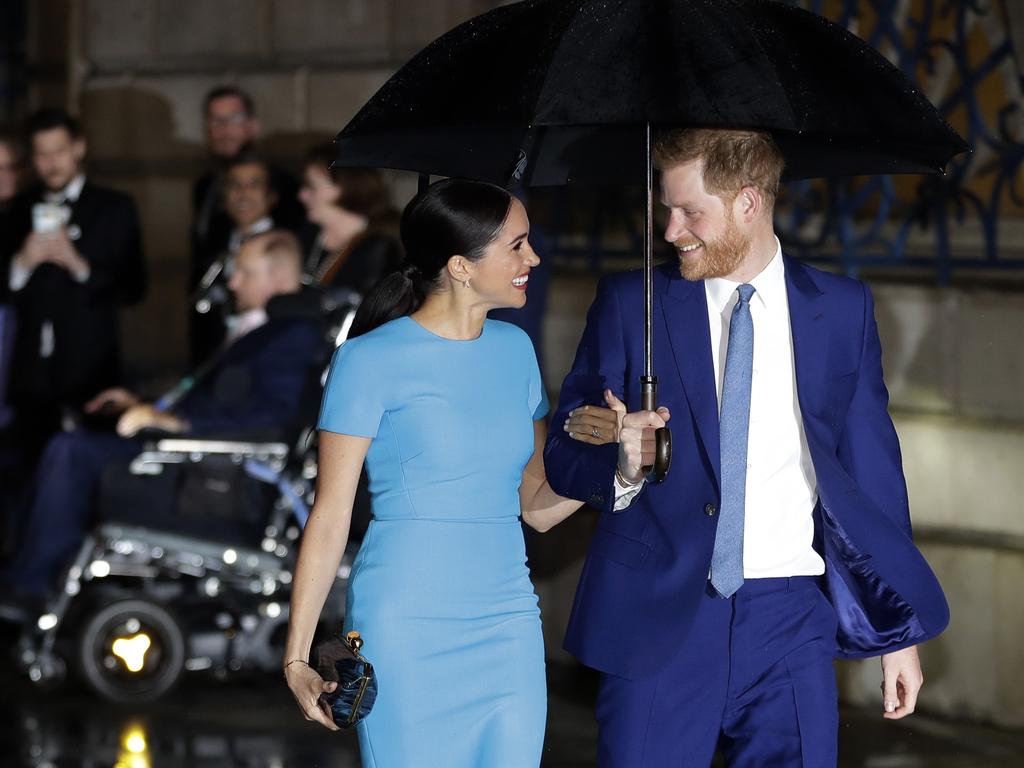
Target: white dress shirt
781, 487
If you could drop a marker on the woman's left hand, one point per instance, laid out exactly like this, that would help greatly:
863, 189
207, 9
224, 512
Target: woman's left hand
595, 425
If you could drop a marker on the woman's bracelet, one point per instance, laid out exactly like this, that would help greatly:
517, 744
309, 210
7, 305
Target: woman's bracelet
284, 669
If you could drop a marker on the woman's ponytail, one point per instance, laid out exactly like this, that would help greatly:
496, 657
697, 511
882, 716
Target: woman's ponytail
398, 294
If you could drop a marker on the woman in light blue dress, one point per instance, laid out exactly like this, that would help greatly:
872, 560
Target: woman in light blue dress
447, 409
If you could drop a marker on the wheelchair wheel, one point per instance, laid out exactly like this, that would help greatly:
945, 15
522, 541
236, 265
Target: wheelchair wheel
131, 650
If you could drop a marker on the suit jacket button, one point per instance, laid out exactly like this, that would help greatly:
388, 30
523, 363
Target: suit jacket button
709, 509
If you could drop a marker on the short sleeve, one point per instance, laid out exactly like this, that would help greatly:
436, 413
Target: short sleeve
353, 401
538, 396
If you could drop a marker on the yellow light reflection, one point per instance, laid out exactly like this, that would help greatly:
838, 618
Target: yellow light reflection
133, 748
132, 651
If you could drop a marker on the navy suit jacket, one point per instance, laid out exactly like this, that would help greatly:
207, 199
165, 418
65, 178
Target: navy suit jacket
647, 566
258, 382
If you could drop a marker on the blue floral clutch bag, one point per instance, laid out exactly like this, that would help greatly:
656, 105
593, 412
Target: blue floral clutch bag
339, 660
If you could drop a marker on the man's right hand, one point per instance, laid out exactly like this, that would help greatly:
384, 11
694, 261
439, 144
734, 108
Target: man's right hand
112, 401
636, 440
34, 251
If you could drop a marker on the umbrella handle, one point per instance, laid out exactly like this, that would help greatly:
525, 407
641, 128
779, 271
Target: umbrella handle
662, 436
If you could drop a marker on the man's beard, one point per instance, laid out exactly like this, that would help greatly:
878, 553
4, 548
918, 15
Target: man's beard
719, 257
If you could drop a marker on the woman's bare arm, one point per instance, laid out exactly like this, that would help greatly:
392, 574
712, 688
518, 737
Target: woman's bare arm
542, 508
323, 544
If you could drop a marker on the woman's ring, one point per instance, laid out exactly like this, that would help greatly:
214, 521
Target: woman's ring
595, 432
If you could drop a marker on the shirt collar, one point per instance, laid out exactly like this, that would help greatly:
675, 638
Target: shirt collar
69, 194
258, 227
244, 322
769, 284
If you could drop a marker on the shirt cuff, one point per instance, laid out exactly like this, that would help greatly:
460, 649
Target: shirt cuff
624, 494
19, 276
83, 276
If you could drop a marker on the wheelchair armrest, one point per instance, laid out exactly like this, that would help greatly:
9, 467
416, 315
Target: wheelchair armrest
189, 450
244, 448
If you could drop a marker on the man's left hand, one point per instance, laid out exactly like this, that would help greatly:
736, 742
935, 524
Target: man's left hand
140, 417
901, 682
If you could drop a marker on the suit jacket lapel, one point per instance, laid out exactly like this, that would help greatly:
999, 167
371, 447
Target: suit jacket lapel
685, 310
810, 337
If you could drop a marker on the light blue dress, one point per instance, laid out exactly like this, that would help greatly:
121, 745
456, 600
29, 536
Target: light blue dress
440, 590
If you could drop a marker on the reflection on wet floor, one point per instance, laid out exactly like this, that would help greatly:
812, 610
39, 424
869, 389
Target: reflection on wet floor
251, 722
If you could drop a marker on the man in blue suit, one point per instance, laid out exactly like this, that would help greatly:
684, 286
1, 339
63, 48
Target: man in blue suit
251, 386
713, 603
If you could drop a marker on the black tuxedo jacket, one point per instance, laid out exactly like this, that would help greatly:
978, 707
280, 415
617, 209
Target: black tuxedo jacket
85, 355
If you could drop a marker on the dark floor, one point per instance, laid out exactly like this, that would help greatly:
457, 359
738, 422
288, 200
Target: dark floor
251, 722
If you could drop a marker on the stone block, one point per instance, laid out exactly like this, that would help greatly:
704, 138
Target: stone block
335, 97
916, 325
227, 28
962, 473
48, 31
184, 94
991, 366
115, 30
419, 23
280, 100
359, 29
154, 333
131, 122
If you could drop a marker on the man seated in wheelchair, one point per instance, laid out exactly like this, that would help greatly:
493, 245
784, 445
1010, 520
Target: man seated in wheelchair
250, 388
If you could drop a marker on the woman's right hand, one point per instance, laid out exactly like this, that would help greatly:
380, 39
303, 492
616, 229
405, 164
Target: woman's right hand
307, 686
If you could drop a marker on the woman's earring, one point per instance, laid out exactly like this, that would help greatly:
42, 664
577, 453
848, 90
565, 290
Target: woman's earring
466, 283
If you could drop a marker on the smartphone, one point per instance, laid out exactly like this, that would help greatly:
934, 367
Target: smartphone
47, 218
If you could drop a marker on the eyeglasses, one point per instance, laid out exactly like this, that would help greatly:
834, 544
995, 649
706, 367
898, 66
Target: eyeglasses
220, 121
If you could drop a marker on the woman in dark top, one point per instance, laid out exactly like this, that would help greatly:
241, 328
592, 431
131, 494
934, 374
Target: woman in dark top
351, 234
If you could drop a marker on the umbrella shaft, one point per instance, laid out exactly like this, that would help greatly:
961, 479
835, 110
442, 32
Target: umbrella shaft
648, 259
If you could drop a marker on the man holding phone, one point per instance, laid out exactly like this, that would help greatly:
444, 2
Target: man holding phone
74, 258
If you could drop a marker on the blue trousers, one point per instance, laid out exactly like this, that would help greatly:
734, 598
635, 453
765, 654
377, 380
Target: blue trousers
754, 677
63, 505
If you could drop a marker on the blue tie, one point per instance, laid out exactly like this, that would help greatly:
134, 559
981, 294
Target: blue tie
734, 421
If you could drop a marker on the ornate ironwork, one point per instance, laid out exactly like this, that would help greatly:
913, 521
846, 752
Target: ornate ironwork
961, 54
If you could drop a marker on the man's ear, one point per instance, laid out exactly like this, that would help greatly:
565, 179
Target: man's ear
78, 148
749, 203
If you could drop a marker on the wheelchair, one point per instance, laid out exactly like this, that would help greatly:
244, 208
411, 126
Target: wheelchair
189, 566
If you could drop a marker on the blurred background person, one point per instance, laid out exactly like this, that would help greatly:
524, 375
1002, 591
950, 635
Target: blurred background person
253, 385
74, 260
248, 203
12, 157
352, 230
11, 167
231, 128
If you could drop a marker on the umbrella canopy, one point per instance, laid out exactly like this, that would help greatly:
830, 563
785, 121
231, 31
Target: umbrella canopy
554, 91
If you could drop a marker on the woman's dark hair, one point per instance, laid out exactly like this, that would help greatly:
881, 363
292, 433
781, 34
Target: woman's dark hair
363, 190
453, 216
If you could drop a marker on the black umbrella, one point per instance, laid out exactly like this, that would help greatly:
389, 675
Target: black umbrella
555, 91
